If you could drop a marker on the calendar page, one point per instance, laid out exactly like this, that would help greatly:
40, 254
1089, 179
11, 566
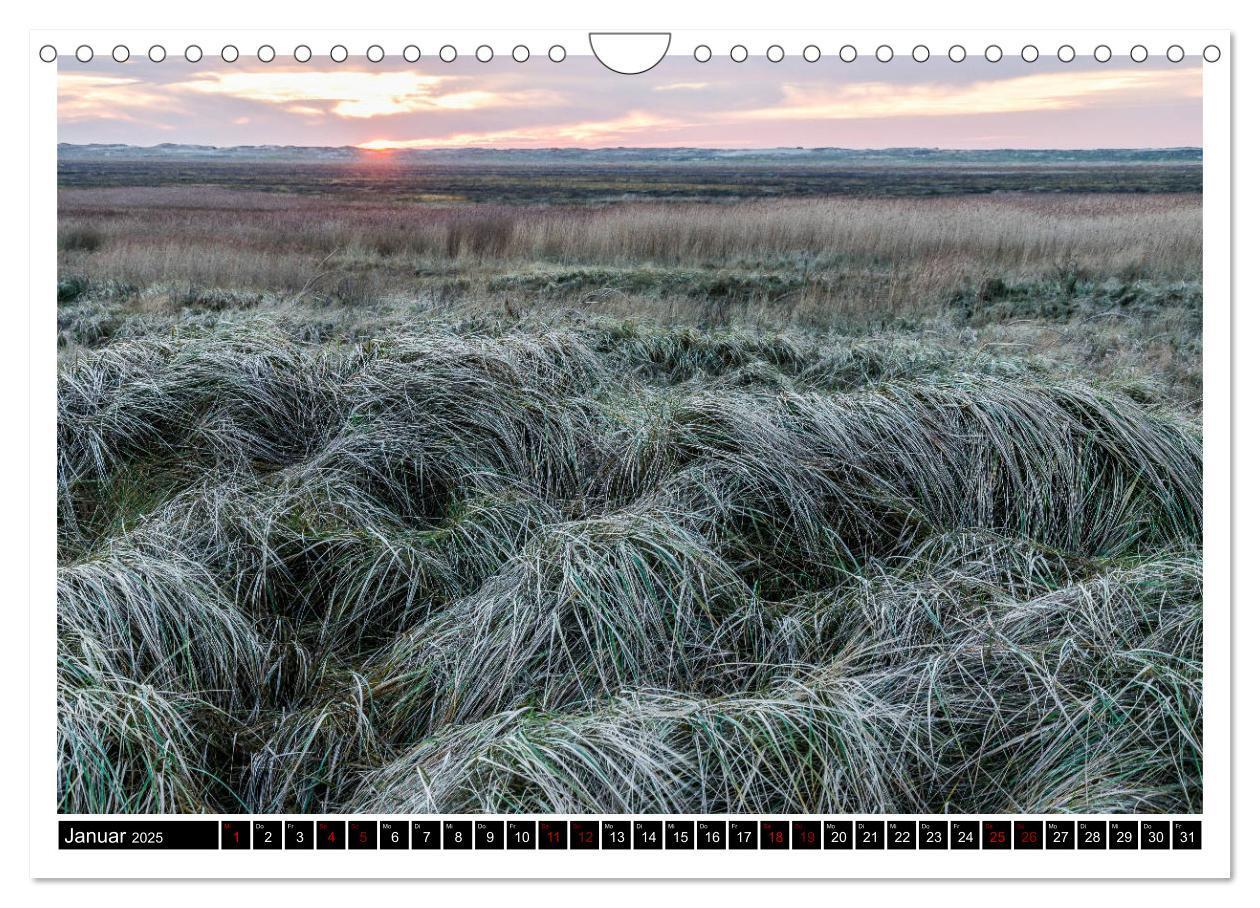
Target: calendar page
670, 452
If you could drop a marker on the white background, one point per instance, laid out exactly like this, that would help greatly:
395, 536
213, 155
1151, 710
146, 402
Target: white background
641, 15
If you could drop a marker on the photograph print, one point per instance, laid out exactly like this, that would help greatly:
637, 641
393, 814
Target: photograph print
755, 437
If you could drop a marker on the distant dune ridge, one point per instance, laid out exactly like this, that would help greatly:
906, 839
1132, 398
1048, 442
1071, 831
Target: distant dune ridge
485, 155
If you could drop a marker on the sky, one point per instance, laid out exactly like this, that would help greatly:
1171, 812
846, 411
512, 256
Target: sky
680, 102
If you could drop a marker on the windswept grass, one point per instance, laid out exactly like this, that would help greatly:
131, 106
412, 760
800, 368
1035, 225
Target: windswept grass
383, 561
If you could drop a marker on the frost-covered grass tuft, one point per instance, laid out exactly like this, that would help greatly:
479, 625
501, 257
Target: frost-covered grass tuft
585, 565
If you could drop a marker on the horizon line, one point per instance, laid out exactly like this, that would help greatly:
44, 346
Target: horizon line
536, 148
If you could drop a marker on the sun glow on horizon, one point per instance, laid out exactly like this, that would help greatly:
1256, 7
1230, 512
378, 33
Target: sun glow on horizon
382, 146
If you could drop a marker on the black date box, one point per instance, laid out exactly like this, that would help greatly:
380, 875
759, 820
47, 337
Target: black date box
266, 835
299, 835
330, 834
868, 834
742, 835
426, 835
522, 835
964, 835
1091, 835
488, 834
680, 834
774, 834
1122, 835
361, 835
933, 835
807, 834
394, 835
457, 835
711, 835
1060, 835
837, 833
583, 835
554, 835
1030, 835
1187, 834
900, 835
615, 835
1154, 834
648, 834
233, 835
995, 834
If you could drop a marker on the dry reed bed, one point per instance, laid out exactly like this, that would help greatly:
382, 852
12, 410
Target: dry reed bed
259, 241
